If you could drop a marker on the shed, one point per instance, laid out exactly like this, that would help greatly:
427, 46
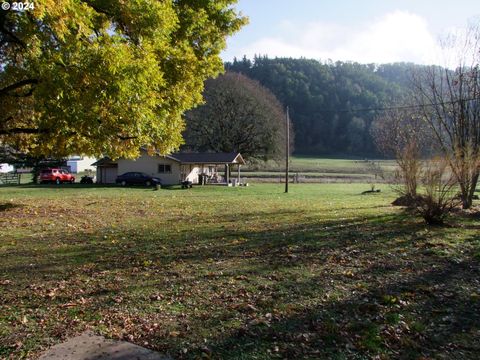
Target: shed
107, 170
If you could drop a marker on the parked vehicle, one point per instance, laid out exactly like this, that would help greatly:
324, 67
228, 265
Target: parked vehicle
138, 178
56, 175
86, 179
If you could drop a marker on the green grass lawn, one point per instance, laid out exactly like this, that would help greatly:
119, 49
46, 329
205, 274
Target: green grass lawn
237, 273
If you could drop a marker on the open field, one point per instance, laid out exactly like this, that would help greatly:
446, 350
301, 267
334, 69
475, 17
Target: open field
317, 164
314, 169
237, 273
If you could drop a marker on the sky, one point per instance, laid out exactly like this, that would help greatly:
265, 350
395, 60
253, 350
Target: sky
365, 31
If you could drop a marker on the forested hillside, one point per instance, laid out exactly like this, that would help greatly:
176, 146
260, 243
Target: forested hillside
321, 95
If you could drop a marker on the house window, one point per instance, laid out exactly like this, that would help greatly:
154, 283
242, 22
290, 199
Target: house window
164, 168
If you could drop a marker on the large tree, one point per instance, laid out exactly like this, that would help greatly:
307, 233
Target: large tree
105, 76
240, 115
450, 102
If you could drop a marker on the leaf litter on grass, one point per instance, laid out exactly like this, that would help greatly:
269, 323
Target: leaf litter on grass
323, 273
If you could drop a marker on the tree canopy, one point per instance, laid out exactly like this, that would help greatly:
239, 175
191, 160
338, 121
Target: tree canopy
239, 115
321, 95
104, 76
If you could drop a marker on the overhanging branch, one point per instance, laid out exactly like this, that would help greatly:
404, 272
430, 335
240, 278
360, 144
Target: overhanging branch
26, 131
18, 85
126, 137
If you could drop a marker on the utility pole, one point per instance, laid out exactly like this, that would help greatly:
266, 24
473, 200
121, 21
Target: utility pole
287, 149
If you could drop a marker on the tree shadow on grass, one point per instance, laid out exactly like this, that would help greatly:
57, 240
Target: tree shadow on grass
285, 242
349, 288
426, 315
8, 206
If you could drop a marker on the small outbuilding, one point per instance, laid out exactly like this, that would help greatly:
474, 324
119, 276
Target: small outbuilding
80, 163
198, 168
107, 170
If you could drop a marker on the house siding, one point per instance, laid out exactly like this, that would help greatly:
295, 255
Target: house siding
149, 165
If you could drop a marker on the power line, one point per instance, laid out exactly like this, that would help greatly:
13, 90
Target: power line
404, 107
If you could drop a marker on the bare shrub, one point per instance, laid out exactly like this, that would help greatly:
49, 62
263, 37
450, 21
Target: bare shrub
439, 192
449, 99
401, 133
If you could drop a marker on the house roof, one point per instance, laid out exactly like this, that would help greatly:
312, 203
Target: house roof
105, 161
208, 158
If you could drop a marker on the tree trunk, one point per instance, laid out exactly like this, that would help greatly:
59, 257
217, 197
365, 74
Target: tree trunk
466, 202
468, 199
464, 194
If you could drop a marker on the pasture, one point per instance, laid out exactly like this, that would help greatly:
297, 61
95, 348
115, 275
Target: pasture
320, 170
237, 273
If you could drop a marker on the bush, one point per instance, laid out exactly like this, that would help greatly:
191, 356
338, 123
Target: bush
439, 196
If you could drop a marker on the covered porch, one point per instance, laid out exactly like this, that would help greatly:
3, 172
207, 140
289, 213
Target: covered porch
211, 168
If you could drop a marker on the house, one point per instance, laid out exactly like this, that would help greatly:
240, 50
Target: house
175, 168
80, 163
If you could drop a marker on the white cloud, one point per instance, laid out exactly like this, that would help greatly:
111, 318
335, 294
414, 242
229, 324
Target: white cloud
397, 36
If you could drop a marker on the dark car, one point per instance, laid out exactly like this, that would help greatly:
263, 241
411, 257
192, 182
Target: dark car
137, 178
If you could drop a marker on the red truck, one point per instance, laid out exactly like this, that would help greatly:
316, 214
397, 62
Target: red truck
57, 176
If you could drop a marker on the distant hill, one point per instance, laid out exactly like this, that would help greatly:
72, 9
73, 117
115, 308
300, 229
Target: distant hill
318, 95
